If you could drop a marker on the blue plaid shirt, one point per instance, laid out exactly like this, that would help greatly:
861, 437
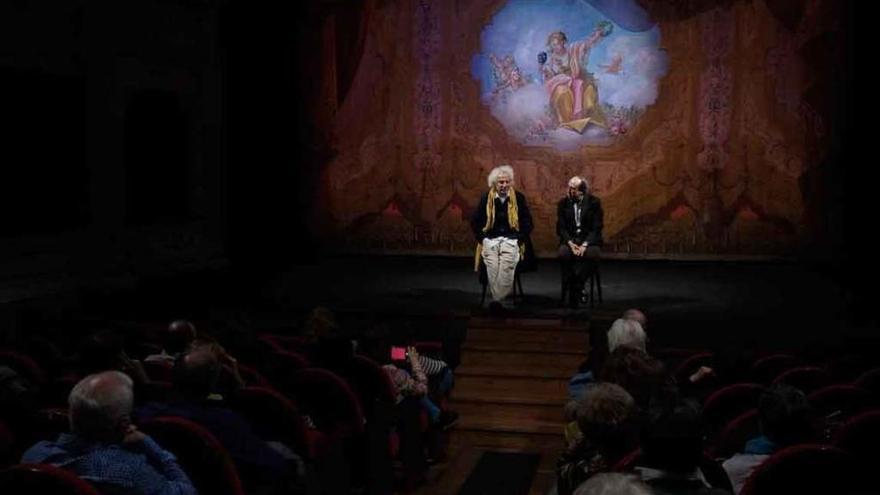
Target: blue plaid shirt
143, 468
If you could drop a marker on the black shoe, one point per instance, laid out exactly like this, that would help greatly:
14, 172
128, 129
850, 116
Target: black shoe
495, 308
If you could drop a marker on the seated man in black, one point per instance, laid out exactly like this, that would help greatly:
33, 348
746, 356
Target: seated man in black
579, 220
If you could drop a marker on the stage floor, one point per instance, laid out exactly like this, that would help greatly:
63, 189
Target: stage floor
687, 302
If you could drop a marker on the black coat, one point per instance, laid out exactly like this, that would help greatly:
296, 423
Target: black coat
478, 221
592, 219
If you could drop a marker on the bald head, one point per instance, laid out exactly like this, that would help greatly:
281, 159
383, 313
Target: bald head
100, 406
636, 315
577, 187
179, 335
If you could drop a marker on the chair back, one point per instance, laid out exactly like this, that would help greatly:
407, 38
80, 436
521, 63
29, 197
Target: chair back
870, 381
274, 417
328, 399
711, 469
735, 434
24, 365
199, 453
837, 403
729, 402
765, 369
860, 436
43, 479
805, 468
804, 378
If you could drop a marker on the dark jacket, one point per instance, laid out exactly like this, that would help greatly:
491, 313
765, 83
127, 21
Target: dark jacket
501, 227
592, 220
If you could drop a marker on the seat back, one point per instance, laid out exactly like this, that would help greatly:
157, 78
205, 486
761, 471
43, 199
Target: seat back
845, 368
24, 365
837, 403
328, 399
804, 378
283, 363
711, 469
735, 434
371, 385
805, 468
278, 342
252, 377
274, 416
729, 402
43, 479
870, 381
765, 369
199, 453
860, 436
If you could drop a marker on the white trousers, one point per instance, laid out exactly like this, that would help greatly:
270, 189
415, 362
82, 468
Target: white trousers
500, 256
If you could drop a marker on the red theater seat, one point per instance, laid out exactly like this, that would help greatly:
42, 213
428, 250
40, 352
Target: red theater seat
766, 368
804, 378
43, 479
275, 417
199, 453
735, 434
805, 469
729, 402
860, 436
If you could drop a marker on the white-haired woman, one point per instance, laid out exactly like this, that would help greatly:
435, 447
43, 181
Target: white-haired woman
502, 224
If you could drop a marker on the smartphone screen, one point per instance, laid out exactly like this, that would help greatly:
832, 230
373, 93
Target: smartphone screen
398, 353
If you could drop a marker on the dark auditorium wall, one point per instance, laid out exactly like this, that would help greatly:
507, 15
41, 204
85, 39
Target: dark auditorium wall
149, 138
113, 160
738, 155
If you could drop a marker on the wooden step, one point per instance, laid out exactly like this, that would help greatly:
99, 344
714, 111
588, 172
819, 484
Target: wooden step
542, 482
531, 347
505, 417
575, 340
524, 372
529, 324
523, 363
513, 390
509, 441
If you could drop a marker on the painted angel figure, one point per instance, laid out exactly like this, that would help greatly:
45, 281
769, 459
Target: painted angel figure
573, 93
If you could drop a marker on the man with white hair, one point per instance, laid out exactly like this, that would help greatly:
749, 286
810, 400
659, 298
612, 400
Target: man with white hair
579, 221
502, 224
626, 333
105, 448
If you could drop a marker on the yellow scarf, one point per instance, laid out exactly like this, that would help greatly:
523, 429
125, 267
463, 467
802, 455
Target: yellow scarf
512, 219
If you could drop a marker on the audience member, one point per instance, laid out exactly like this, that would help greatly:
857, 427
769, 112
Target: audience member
626, 333
196, 374
785, 419
672, 450
176, 340
643, 376
606, 434
105, 448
